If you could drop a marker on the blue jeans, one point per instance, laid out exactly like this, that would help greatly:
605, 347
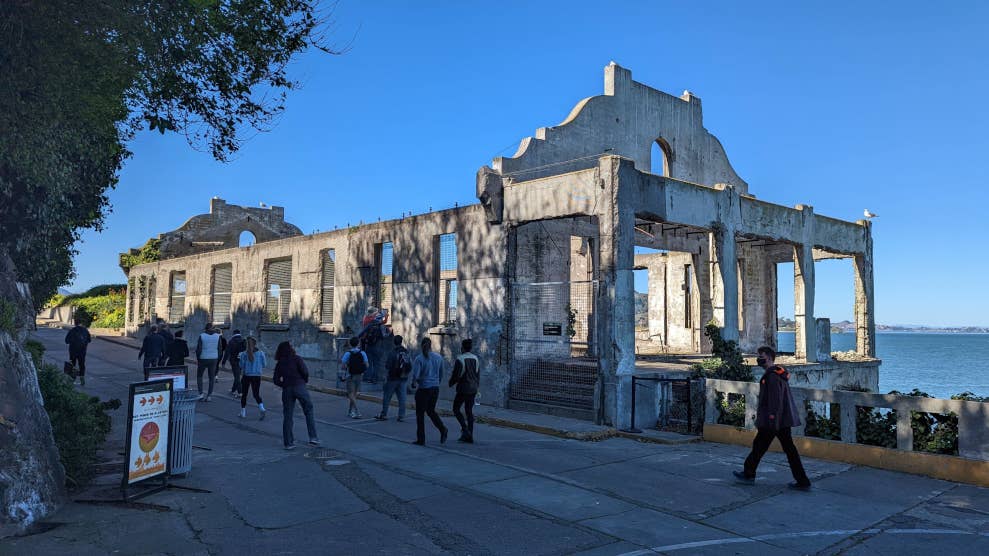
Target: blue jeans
393, 387
289, 395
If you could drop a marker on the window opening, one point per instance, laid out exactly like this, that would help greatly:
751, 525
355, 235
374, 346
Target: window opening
448, 287
247, 239
385, 281
328, 284
278, 285
222, 289
176, 303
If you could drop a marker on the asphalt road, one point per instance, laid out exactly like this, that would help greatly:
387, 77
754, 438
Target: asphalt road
513, 492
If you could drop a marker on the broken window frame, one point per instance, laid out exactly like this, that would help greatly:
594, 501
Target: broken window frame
224, 297
176, 301
446, 284
327, 282
281, 313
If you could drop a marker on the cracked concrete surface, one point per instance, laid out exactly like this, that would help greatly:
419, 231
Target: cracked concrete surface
515, 492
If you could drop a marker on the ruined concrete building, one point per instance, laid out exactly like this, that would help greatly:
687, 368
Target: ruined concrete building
540, 273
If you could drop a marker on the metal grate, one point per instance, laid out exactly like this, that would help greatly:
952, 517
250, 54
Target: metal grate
386, 280
447, 288
222, 288
176, 300
131, 298
553, 355
152, 287
278, 286
328, 286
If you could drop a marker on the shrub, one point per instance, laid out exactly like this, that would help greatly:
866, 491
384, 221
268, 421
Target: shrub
37, 351
83, 315
79, 422
113, 319
727, 363
8, 317
731, 409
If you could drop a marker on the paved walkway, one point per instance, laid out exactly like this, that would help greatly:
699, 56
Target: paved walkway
514, 492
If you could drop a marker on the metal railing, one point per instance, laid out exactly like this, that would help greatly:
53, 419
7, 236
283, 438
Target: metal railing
973, 417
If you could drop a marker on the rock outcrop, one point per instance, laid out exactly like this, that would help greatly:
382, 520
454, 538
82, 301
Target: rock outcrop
32, 481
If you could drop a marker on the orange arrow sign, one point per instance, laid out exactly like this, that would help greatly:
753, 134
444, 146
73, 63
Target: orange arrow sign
143, 401
138, 462
161, 399
156, 458
147, 459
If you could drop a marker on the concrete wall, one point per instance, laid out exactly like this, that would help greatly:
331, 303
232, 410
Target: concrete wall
481, 252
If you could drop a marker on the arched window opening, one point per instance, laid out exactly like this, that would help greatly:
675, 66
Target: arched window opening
247, 239
660, 157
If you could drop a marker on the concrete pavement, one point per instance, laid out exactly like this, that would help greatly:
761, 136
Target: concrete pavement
514, 492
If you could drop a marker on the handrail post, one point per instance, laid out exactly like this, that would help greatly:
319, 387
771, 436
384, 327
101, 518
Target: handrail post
632, 428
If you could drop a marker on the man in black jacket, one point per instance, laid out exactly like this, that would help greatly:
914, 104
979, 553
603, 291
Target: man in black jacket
235, 346
78, 339
152, 349
776, 414
466, 377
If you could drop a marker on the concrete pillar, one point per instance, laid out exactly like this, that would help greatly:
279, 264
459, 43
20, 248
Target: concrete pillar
724, 256
865, 317
803, 289
616, 297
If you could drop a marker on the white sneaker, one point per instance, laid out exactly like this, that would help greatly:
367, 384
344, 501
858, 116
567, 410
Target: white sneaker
243, 413
263, 411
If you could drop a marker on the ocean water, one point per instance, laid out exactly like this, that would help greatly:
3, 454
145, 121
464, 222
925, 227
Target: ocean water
939, 364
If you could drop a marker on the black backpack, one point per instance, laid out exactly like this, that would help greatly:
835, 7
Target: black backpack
355, 363
404, 363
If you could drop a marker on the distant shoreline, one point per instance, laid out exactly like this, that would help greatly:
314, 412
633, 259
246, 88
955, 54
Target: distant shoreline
909, 331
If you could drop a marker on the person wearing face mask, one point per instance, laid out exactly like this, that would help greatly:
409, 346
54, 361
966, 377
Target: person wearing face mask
776, 414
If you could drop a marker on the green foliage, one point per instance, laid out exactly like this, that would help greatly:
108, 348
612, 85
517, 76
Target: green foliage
83, 315
81, 78
8, 316
148, 253
37, 351
79, 422
819, 426
571, 321
727, 363
103, 306
731, 409
875, 427
113, 319
969, 397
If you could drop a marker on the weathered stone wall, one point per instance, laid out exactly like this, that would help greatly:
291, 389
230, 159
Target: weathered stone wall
481, 261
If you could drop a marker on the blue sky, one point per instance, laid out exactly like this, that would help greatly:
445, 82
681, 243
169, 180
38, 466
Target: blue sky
839, 105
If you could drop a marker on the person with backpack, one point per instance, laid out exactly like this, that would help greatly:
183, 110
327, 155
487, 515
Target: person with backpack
466, 377
178, 350
78, 339
427, 373
252, 361
291, 375
152, 347
355, 362
234, 348
399, 367
168, 337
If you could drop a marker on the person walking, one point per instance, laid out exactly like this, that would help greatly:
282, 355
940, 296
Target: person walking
427, 373
78, 339
151, 349
776, 414
231, 353
355, 362
291, 375
207, 355
466, 377
178, 351
399, 366
167, 336
252, 362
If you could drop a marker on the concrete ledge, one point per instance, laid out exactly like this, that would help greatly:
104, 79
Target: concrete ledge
951, 468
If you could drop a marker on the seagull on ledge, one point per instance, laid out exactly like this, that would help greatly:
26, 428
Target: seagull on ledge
868, 214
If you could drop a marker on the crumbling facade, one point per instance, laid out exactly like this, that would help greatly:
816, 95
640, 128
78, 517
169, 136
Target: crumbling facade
540, 273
